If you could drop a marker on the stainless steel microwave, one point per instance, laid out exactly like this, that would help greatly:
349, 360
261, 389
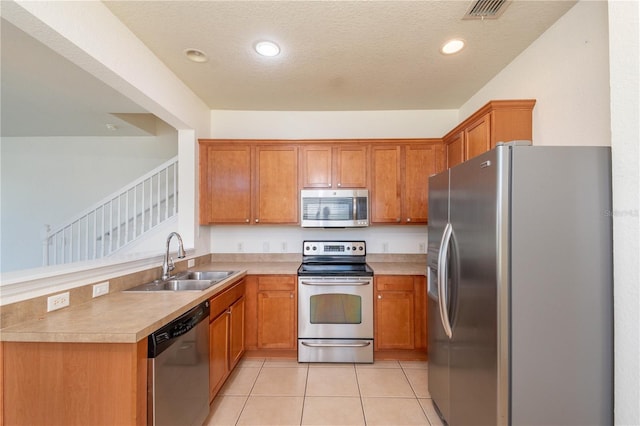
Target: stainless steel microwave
334, 208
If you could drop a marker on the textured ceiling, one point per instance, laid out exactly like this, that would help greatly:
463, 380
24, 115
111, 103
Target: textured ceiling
336, 55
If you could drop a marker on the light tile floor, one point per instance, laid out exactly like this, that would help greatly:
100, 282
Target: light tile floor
285, 392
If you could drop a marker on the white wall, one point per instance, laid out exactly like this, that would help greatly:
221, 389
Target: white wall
331, 124
624, 45
48, 180
89, 35
324, 125
566, 70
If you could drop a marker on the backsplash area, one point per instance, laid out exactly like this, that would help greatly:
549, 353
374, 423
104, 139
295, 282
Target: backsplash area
35, 308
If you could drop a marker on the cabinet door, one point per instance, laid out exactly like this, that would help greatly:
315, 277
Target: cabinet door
419, 164
394, 312
316, 166
477, 137
385, 184
455, 150
350, 167
236, 332
421, 303
276, 197
225, 184
218, 352
277, 305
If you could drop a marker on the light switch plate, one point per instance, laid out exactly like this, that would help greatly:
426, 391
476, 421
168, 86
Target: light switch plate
191, 263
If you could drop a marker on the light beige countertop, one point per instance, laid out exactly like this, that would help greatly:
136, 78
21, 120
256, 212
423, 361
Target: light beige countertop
398, 268
121, 317
128, 317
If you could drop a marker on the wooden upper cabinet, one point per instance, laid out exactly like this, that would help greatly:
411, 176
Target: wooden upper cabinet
350, 170
420, 162
497, 121
316, 166
400, 181
385, 184
454, 147
334, 166
478, 137
225, 183
246, 183
276, 185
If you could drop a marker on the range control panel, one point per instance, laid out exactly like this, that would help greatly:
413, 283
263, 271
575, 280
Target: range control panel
334, 248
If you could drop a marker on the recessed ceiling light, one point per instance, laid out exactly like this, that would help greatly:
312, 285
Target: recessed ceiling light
196, 55
452, 46
267, 48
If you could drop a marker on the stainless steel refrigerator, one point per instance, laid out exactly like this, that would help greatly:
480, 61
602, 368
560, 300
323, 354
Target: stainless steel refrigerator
520, 286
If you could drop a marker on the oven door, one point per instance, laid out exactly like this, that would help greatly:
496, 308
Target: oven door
335, 308
335, 319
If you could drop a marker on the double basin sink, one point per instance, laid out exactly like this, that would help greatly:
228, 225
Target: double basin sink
185, 281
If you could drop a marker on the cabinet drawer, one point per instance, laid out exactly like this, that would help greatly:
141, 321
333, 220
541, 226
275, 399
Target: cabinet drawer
276, 282
394, 283
222, 301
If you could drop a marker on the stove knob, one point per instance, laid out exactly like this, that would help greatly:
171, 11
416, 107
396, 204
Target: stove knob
361, 248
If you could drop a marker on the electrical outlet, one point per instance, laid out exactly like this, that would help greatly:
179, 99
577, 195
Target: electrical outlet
101, 289
385, 247
191, 263
58, 301
240, 247
422, 248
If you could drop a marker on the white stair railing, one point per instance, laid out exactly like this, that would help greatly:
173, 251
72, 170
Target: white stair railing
116, 220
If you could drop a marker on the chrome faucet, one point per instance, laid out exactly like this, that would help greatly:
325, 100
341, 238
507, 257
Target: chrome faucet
167, 264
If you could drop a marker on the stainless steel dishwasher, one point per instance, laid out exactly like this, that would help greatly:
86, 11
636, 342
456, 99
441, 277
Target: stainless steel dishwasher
178, 376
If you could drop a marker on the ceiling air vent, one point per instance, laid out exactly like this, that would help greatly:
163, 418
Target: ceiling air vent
486, 9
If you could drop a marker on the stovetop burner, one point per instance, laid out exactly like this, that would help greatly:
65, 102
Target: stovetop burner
358, 270
334, 258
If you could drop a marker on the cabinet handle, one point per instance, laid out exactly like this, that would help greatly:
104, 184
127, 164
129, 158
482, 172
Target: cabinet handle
246, 220
290, 295
408, 219
398, 219
339, 184
257, 220
379, 296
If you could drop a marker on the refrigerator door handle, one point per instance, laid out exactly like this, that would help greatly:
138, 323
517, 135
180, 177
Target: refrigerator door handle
443, 278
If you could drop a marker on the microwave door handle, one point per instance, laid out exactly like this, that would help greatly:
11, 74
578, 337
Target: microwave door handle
355, 208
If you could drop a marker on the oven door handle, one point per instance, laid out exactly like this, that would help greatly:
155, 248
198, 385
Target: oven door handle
326, 283
336, 345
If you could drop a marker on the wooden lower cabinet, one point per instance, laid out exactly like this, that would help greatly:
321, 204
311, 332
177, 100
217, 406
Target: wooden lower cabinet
226, 335
400, 312
74, 383
272, 304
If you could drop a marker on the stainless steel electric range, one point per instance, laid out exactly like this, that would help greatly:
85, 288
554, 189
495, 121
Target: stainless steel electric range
335, 303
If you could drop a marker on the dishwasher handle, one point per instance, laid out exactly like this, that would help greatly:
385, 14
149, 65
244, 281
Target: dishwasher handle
163, 338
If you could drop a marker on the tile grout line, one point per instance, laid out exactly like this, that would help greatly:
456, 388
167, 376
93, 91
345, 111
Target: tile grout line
415, 393
364, 416
250, 390
304, 395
